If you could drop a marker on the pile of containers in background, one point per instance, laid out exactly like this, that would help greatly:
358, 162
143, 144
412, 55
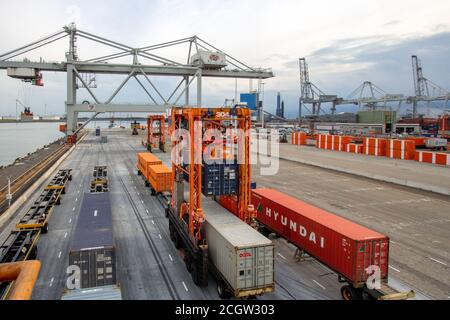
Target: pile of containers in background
374, 146
299, 138
354, 148
333, 142
432, 157
401, 149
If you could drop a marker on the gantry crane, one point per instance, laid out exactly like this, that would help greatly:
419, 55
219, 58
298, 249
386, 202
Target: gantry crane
189, 142
156, 136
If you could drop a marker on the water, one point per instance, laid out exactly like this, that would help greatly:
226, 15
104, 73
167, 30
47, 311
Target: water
18, 139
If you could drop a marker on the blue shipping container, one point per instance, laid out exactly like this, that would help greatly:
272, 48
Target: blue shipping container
251, 99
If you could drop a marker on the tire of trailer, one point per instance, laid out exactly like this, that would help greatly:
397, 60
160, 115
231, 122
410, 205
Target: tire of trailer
348, 292
177, 242
63, 190
153, 192
139, 172
171, 232
167, 212
33, 253
194, 272
222, 290
45, 228
70, 178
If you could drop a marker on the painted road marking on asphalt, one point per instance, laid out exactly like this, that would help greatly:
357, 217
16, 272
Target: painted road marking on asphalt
170, 257
51, 281
146, 210
95, 213
153, 221
59, 255
70, 220
159, 235
78, 191
65, 235
394, 268
73, 209
281, 256
185, 287
142, 201
138, 193
319, 284
76, 199
393, 242
443, 263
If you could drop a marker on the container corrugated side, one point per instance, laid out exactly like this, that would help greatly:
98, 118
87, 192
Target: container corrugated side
342, 245
242, 255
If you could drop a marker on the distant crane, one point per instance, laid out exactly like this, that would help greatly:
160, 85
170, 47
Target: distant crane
425, 89
311, 94
370, 96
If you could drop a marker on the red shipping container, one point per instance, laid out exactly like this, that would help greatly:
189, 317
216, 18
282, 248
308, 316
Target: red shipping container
420, 142
229, 202
344, 246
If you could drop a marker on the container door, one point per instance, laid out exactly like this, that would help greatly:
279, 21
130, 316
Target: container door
264, 266
246, 270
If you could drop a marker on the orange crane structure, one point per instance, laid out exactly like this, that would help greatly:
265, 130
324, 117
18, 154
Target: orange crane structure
191, 144
156, 135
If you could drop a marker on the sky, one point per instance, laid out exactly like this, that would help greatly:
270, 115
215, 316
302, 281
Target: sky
344, 42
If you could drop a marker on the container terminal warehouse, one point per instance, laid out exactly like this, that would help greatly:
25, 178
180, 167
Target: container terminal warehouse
190, 201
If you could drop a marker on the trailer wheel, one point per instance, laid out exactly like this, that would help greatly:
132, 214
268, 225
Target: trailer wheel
171, 232
167, 212
350, 293
177, 242
45, 228
222, 290
194, 272
70, 178
139, 172
33, 253
153, 191
63, 190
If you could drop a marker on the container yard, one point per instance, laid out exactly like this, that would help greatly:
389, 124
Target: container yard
187, 199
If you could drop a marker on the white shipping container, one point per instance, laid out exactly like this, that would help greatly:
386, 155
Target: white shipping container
243, 256
436, 143
22, 73
209, 59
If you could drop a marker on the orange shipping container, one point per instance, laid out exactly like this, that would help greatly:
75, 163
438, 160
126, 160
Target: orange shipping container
433, 157
420, 142
401, 149
354, 148
144, 160
160, 178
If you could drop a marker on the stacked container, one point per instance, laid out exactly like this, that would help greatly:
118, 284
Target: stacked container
144, 160
354, 148
401, 149
333, 142
299, 138
433, 157
220, 179
160, 177
375, 146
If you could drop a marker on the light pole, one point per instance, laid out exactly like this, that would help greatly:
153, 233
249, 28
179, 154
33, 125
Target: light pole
262, 103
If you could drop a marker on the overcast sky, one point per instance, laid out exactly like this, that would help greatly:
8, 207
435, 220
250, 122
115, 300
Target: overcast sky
345, 43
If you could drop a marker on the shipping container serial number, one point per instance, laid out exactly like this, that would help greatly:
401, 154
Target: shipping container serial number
237, 309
